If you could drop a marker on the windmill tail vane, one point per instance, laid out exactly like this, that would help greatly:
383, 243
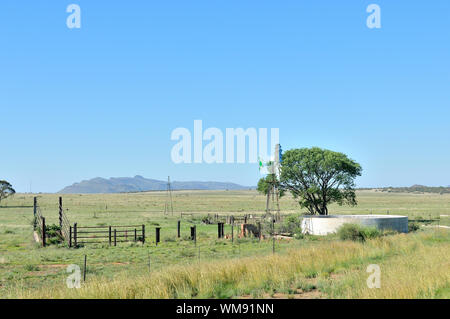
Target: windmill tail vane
273, 165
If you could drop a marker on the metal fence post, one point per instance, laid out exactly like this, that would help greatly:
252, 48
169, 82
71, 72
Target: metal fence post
232, 232
143, 234
75, 235
70, 236
273, 236
157, 235
34, 212
84, 270
195, 235
43, 231
259, 230
60, 212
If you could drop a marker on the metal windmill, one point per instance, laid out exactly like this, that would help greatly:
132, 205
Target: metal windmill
168, 207
272, 168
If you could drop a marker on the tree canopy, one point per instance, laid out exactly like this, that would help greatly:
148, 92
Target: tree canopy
318, 177
6, 190
265, 183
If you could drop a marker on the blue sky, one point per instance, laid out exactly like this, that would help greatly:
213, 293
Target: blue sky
103, 100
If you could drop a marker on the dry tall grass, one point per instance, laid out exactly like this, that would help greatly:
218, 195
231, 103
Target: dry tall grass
412, 266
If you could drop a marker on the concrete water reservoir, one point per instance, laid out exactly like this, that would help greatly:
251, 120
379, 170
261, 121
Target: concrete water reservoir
323, 225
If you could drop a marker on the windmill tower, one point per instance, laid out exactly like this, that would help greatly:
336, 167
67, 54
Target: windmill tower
273, 193
168, 207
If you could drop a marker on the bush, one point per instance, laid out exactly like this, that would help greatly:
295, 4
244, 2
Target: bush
30, 267
299, 235
53, 234
357, 232
412, 227
291, 225
370, 232
350, 232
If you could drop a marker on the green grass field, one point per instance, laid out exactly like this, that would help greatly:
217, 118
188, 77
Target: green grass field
28, 270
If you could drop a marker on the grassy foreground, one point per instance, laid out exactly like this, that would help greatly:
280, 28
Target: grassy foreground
412, 266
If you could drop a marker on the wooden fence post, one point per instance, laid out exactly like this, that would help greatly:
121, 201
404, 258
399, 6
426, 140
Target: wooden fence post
218, 230
179, 229
109, 235
195, 235
115, 237
135, 235
157, 235
143, 234
43, 232
75, 235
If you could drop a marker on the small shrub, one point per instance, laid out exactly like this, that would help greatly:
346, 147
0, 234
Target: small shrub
53, 234
370, 232
357, 232
30, 267
205, 220
291, 225
8, 231
412, 227
53, 241
350, 232
299, 236
311, 274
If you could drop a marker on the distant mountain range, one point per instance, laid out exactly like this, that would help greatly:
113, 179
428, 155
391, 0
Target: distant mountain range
416, 189
141, 184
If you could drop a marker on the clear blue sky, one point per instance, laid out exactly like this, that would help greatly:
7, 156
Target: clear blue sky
103, 100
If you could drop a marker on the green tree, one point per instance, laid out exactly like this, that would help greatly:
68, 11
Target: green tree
265, 183
6, 190
317, 177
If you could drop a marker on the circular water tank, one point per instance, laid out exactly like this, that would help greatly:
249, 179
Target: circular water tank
323, 225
